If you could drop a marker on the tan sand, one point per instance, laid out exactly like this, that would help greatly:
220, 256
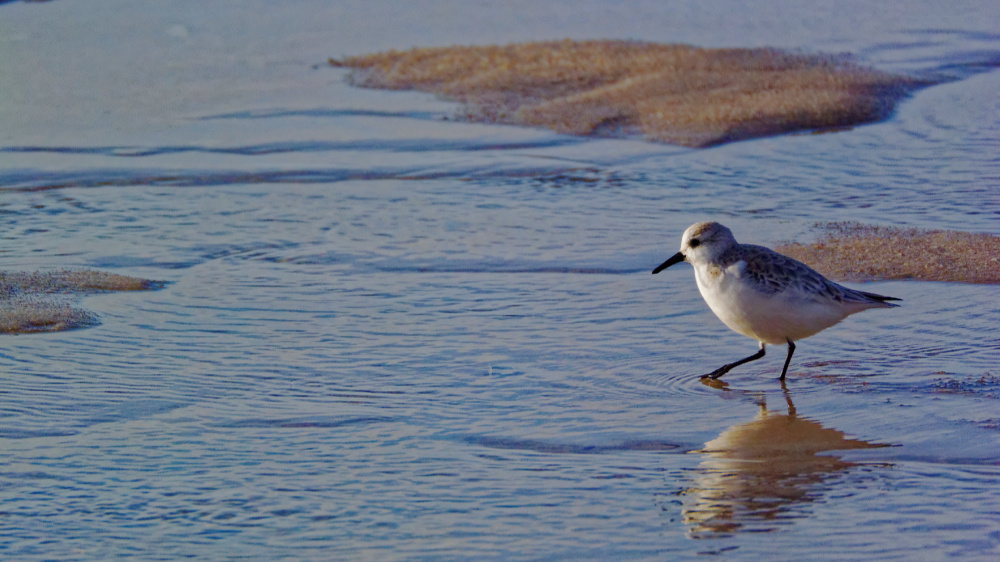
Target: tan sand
29, 302
668, 93
23, 316
857, 252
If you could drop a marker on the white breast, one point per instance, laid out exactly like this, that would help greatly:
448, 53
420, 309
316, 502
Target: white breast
773, 318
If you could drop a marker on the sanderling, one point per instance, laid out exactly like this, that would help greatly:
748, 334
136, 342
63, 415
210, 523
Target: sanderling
762, 294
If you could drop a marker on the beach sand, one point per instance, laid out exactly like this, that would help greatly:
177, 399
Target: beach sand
35, 302
675, 94
857, 252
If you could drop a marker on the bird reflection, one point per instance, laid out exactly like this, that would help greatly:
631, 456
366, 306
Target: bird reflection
757, 475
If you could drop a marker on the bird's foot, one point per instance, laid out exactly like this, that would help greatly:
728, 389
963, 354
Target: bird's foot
717, 373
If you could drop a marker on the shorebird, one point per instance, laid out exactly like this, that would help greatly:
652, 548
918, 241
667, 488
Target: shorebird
762, 294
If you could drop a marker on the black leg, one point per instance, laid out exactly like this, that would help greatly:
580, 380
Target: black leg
791, 350
726, 368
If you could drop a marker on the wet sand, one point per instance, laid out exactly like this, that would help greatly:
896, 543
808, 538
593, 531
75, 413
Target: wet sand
850, 251
675, 94
35, 302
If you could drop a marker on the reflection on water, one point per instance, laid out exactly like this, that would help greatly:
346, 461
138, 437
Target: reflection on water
757, 475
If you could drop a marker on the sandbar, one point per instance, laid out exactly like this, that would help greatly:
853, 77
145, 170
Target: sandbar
848, 251
677, 94
36, 301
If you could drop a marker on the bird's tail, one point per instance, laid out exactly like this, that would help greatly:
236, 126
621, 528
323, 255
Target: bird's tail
880, 298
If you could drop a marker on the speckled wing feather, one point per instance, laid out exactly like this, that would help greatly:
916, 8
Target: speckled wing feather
774, 273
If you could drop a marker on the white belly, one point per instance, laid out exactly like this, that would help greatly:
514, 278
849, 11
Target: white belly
774, 318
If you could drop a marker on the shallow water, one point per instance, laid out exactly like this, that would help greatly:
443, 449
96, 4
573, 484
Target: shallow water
387, 335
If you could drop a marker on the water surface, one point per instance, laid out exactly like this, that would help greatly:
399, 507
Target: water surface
390, 335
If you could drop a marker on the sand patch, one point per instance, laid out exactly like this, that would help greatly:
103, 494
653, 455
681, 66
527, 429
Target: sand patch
857, 252
676, 94
35, 302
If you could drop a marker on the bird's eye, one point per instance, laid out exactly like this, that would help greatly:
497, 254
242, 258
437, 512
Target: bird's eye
694, 243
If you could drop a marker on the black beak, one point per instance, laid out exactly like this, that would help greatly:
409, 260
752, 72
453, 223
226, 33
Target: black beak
675, 259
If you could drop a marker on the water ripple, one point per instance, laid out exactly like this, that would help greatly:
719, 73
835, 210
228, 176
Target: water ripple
364, 145
547, 447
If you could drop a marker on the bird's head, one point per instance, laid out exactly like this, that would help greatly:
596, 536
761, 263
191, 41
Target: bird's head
702, 242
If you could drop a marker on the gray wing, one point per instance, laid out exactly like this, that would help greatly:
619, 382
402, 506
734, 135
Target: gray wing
774, 273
